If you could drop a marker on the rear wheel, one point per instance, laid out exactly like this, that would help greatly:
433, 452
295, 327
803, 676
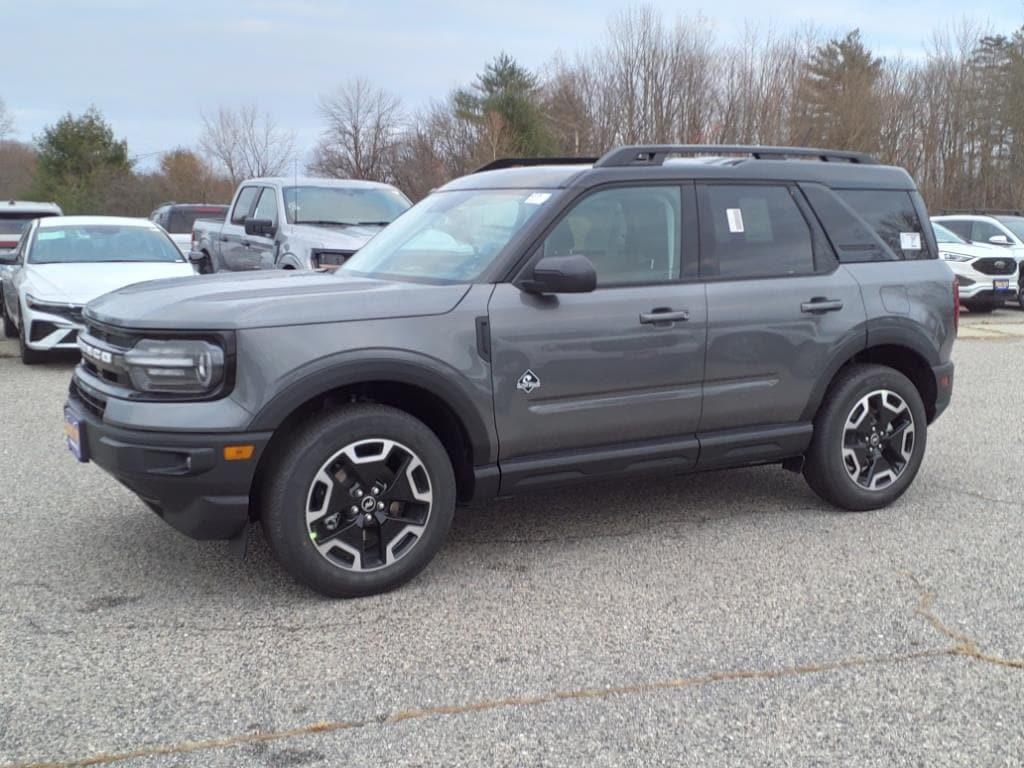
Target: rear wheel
869, 439
360, 501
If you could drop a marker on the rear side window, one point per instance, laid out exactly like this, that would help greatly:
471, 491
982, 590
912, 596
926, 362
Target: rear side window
854, 238
753, 231
892, 215
244, 204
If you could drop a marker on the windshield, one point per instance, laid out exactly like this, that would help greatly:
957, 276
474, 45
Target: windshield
100, 243
1015, 224
944, 235
449, 236
343, 206
181, 219
13, 224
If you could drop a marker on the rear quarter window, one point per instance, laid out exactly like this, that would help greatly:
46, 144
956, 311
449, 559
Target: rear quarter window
893, 217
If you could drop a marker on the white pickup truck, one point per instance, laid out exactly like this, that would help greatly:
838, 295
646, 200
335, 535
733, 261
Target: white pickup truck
295, 223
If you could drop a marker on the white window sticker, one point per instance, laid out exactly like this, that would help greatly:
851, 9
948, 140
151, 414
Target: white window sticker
54, 234
735, 217
910, 241
537, 198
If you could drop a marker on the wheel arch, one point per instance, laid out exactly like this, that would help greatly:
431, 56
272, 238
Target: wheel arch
430, 395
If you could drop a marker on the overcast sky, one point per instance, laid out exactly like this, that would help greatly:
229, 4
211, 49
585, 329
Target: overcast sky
152, 66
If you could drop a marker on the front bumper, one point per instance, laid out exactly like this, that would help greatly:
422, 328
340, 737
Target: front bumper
182, 476
45, 332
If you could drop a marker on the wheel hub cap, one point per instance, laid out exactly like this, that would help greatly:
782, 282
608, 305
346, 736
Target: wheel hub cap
878, 440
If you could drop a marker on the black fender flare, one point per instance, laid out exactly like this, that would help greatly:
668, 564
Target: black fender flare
378, 365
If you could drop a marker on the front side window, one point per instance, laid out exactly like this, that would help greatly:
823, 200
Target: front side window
449, 236
86, 243
630, 234
982, 231
753, 231
1015, 224
343, 206
244, 204
266, 208
892, 215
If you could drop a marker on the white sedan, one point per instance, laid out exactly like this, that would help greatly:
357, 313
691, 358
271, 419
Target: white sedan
63, 262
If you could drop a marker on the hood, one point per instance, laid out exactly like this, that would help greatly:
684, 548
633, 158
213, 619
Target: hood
80, 283
269, 298
333, 238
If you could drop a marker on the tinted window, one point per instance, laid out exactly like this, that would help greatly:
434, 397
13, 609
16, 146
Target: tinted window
892, 215
181, 219
1015, 224
753, 231
946, 236
16, 223
266, 208
981, 231
99, 243
961, 228
631, 235
244, 204
853, 237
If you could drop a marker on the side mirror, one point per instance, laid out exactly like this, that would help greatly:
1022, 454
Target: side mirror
260, 227
196, 257
999, 240
562, 274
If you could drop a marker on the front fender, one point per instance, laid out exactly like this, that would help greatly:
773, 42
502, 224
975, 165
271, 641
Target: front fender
377, 365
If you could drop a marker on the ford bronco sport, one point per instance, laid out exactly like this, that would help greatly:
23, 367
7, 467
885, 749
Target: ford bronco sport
660, 309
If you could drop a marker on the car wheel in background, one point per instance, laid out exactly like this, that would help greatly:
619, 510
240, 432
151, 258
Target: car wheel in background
979, 307
28, 356
359, 500
10, 329
869, 439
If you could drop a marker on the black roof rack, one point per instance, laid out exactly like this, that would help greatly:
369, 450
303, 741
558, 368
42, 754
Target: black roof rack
524, 162
980, 212
655, 154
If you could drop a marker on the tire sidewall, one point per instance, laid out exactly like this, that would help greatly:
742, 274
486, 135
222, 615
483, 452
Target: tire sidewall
284, 517
830, 427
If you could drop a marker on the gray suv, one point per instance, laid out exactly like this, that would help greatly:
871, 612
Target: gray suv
533, 324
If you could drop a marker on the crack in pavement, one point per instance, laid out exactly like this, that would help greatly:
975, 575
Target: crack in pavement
963, 646
979, 495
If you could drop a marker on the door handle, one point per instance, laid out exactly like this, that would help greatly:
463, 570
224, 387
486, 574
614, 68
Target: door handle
820, 305
664, 315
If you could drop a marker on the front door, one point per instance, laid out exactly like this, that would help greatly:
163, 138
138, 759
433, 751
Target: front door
579, 379
233, 240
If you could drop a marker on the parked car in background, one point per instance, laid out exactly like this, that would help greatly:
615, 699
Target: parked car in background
295, 223
524, 327
1004, 229
177, 219
15, 216
62, 263
986, 274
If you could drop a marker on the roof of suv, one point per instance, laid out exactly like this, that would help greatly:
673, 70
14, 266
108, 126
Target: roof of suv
25, 206
832, 168
306, 181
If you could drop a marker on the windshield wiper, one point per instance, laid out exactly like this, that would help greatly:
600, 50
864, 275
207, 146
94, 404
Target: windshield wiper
323, 223
371, 223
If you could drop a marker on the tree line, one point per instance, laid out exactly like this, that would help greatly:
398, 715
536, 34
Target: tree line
954, 118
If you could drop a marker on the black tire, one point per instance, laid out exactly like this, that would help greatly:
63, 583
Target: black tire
28, 356
206, 265
979, 307
10, 329
826, 469
288, 491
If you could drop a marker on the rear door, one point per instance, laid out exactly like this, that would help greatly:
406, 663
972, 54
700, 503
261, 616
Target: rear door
233, 240
577, 373
779, 305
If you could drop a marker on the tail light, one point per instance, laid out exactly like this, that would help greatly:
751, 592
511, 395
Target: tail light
956, 306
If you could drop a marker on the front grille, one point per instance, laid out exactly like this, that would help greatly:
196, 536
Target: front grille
995, 266
103, 354
94, 404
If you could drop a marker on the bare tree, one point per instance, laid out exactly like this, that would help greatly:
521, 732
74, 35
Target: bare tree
6, 121
246, 142
361, 135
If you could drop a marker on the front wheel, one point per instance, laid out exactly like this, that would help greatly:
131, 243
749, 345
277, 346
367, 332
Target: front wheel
980, 307
29, 356
10, 329
360, 501
869, 439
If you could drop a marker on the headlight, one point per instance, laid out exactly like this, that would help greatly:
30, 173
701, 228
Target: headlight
955, 257
180, 367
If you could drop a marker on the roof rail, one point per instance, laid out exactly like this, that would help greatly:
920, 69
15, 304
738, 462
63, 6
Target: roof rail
524, 162
655, 154
981, 212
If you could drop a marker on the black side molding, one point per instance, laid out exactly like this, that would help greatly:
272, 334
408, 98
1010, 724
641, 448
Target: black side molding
483, 338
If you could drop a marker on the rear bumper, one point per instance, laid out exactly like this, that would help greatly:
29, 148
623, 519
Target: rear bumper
183, 477
943, 387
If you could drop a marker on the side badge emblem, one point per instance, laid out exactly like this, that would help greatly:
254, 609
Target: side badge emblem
528, 382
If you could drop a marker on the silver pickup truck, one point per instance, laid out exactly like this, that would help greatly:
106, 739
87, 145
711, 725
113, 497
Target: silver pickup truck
295, 223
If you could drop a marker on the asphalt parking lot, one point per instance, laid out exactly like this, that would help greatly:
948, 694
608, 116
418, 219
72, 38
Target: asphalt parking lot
719, 619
